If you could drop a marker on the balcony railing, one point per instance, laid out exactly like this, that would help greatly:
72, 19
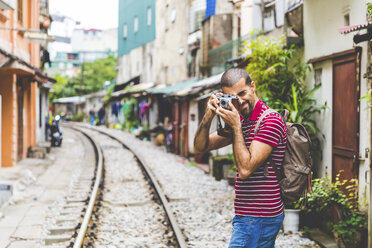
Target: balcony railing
218, 57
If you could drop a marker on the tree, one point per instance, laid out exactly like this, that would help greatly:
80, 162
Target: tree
279, 75
89, 80
97, 72
62, 88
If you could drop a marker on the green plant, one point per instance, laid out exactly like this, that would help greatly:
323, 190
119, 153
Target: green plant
279, 75
369, 10
368, 98
340, 196
108, 94
130, 114
351, 229
231, 157
325, 195
78, 117
191, 163
275, 68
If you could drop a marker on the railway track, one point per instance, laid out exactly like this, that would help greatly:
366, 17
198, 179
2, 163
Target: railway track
93, 214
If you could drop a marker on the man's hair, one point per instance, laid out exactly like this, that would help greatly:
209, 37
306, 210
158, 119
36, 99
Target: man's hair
233, 75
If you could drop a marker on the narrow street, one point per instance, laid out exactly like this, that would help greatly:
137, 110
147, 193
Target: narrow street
173, 123
38, 186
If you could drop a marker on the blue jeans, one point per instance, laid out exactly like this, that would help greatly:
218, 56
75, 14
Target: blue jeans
92, 117
252, 232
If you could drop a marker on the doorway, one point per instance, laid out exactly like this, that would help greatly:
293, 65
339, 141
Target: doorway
345, 136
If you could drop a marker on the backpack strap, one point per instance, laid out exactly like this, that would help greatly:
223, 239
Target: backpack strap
263, 115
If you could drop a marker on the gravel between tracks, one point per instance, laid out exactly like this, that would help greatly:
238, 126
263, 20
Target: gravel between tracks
128, 216
203, 206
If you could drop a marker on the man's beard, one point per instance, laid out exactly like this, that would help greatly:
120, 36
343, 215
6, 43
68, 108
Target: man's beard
248, 110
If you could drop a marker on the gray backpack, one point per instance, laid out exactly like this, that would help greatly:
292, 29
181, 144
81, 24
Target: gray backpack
294, 177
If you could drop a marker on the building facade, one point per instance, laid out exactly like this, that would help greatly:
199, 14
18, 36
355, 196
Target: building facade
339, 65
136, 46
171, 41
23, 85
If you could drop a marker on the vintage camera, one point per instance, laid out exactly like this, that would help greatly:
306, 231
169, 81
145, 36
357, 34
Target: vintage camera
225, 99
226, 131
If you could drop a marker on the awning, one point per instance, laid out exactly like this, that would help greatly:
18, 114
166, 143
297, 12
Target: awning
139, 89
294, 17
133, 81
348, 29
99, 94
72, 99
10, 61
194, 89
171, 89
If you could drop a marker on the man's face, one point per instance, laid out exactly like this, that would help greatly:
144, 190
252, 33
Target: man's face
245, 94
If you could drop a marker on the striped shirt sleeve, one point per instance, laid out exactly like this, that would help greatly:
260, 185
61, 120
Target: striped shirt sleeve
271, 130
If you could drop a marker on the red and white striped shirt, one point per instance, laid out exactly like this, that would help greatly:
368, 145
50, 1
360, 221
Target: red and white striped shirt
259, 196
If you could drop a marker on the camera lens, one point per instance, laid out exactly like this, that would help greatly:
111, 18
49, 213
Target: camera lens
223, 103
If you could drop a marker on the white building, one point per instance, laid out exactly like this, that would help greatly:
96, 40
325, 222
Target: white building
92, 44
339, 65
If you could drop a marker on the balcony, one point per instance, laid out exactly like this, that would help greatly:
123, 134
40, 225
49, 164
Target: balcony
219, 57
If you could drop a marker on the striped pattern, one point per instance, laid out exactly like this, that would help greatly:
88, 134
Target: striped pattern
259, 196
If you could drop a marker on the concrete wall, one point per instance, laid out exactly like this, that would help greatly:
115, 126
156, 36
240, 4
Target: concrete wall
171, 41
41, 113
193, 123
139, 61
251, 18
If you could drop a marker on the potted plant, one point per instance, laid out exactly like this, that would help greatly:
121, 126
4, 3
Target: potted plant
291, 222
352, 231
337, 207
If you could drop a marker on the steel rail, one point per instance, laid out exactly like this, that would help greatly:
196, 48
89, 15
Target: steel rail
158, 189
88, 214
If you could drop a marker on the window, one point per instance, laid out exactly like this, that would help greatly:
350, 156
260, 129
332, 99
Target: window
318, 76
148, 16
125, 31
347, 19
135, 27
20, 11
173, 15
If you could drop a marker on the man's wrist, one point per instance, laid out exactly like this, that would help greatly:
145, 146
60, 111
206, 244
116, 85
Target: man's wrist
237, 129
209, 115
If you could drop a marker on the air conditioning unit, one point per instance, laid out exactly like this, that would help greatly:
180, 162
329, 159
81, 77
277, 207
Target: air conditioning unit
8, 4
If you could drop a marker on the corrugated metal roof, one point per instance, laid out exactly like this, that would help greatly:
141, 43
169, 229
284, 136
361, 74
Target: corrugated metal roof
136, 88
174, 87
72, 99
348, 29
200, 85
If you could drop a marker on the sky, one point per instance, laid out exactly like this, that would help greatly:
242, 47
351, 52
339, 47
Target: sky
100, 14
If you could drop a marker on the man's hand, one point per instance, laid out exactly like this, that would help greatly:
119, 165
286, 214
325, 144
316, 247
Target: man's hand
213, 104
204, 141
231, 117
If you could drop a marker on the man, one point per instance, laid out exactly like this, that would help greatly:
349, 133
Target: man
101, 115
258, 206
92, 115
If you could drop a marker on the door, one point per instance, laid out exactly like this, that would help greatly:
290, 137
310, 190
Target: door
20, 118
184, 131
345, 117
176, 121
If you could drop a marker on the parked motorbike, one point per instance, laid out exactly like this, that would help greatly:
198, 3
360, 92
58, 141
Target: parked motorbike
55, 132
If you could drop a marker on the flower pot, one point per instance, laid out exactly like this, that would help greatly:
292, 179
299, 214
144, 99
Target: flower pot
291, 220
